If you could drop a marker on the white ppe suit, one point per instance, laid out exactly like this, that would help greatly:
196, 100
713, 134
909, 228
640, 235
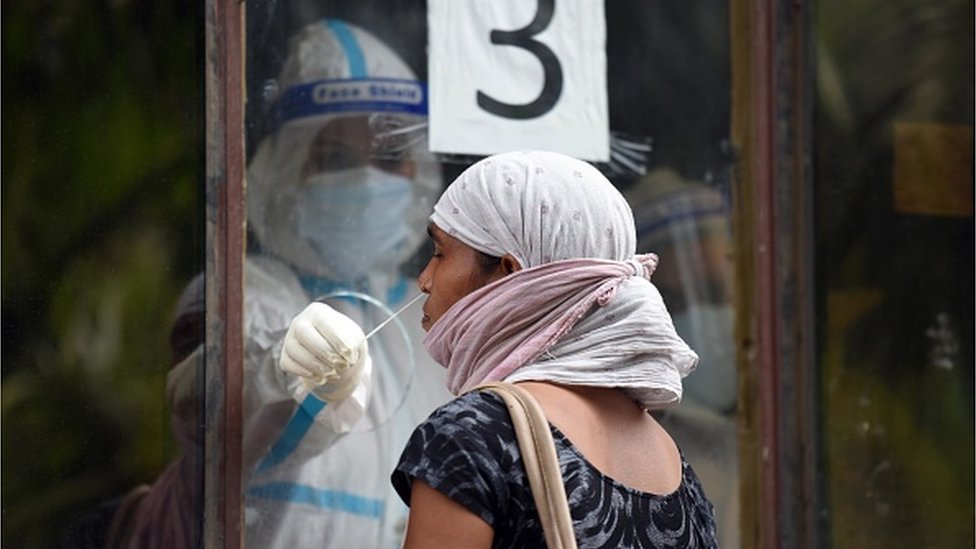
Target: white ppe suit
342, 234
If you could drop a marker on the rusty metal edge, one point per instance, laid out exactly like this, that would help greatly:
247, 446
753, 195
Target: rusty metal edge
224, 67
753, 137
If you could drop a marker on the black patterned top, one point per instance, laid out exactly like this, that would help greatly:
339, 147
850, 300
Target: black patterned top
467, 450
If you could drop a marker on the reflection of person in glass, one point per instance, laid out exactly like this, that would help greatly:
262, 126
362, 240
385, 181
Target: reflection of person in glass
338, 194
686, 223
168, 513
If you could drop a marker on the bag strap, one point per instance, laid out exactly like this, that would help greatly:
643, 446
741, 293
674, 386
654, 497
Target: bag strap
541, 463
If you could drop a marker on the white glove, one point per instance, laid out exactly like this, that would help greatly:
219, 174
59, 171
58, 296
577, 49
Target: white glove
327, 350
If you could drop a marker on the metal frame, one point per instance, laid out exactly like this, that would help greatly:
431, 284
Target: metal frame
773, 234
223, 517
752, 181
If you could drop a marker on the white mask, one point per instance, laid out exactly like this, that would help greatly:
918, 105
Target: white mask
184, 392
354, 218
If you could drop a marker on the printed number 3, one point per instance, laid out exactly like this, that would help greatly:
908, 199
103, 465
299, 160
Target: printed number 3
552, 86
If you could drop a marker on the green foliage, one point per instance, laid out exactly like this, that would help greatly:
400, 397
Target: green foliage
102, 225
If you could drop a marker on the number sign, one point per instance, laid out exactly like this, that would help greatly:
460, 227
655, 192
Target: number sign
518, 74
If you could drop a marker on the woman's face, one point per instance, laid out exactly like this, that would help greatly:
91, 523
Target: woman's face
453, 272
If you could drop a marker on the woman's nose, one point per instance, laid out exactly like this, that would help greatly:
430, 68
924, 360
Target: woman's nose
423, 282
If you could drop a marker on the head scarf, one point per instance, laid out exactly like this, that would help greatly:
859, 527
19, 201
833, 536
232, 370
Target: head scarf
582, 311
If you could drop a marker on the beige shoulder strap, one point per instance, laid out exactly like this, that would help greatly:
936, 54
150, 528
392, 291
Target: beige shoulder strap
541, 463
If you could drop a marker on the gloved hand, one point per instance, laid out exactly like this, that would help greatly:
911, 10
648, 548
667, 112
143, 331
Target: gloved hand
327, 350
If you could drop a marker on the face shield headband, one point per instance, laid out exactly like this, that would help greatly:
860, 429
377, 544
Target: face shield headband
350, 96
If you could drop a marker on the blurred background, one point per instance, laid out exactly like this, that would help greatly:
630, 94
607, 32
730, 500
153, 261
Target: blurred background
102, 227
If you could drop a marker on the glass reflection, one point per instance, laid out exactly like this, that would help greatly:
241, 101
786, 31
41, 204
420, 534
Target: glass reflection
686, 223
893, 168
339, 189
327, 204
668, 69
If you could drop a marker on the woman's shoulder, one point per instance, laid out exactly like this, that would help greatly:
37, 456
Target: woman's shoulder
464, 446
474, 426
476, 410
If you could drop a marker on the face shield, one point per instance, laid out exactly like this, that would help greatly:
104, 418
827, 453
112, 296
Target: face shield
342, 185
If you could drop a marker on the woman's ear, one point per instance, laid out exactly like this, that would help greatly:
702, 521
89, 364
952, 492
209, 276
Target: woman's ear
510, 264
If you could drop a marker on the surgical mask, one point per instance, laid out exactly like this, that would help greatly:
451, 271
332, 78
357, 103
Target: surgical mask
354, 218
184, 392
708, 329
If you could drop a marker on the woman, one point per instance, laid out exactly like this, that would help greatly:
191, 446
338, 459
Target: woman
534, 281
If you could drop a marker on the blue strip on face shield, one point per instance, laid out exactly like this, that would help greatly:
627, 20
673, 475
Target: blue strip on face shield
369, 95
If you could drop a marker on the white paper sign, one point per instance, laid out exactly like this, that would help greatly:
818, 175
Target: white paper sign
518, 74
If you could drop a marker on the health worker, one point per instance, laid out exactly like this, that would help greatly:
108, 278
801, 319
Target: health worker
337, 198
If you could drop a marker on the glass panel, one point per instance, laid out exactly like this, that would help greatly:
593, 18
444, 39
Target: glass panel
894, 232
339, 191
337, 205
669, 83
102, 227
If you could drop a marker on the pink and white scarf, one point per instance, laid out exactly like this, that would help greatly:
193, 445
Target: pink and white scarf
582, 311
